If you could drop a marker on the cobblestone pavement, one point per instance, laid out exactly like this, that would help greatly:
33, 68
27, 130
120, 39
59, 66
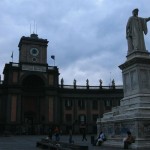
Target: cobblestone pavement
19, 142
29, 142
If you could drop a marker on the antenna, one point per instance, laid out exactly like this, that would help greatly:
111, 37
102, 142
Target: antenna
30, 28
110, 79
36, 28
33, 27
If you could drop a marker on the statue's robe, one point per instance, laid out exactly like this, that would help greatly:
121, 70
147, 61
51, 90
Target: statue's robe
135, 28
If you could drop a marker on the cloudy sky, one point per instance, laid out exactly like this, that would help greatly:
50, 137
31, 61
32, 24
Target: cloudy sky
87, 37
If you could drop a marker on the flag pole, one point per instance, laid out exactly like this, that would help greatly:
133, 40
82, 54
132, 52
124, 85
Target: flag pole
12, 56
53, 57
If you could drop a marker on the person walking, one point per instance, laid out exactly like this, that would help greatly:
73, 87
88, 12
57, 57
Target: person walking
70, 136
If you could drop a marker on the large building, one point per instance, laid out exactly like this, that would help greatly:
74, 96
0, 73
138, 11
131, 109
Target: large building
32, 100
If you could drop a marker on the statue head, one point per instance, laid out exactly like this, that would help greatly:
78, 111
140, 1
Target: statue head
135, 12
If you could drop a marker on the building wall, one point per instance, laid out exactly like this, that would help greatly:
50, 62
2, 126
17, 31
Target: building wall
61, 106
84, 106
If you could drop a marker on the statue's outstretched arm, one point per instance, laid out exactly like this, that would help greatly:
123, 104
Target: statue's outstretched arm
147, 19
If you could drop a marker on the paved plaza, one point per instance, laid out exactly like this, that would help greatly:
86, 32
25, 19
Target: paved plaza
27, 142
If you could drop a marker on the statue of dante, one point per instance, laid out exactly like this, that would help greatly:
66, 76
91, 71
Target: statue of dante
134, 32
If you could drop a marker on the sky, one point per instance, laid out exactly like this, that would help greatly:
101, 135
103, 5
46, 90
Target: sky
87, 37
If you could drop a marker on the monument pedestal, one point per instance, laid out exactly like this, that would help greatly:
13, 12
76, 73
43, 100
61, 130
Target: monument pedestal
134, 111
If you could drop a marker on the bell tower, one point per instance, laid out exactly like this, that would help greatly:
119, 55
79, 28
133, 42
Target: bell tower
33, 50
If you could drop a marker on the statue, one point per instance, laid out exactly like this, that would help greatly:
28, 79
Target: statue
113, 82
101, 82
74, 82
62, 81
87, 82
134, 32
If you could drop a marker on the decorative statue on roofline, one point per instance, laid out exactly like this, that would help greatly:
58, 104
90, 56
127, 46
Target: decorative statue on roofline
87, 82
62, 81
101, 82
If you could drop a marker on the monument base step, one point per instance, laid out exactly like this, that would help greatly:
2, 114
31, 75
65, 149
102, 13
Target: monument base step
118, 143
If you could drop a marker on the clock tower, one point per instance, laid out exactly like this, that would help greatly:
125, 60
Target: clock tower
32, 87
33, 50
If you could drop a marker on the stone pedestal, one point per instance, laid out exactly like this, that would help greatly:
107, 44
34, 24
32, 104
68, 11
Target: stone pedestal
134, 111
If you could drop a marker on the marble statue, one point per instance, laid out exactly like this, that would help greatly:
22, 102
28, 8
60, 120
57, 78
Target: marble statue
135, 28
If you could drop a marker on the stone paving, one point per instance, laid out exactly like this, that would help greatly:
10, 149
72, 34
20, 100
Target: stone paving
27, 142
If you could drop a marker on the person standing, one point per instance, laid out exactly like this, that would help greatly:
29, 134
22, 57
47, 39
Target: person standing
57, 134
50, 134
70, 136
84, 134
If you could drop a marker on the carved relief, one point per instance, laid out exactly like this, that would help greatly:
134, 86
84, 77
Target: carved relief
126, 83
110, 129
144, 78
117, 129
144, 129
133, 80
147, 129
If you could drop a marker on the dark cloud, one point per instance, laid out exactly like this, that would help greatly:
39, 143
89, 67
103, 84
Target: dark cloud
87, 37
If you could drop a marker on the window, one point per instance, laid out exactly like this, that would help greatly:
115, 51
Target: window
82, 119
68, 118
95, 116
68, 104
81, 104
94, 104
108, 104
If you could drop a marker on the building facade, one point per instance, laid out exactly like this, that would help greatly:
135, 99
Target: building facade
32, 100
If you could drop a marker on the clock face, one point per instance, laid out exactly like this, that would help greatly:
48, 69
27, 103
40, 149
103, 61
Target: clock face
34, 51
34, 59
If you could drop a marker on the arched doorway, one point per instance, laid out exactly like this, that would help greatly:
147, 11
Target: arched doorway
32, 104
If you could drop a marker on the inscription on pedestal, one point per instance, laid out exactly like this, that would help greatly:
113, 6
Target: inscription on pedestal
147, 129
